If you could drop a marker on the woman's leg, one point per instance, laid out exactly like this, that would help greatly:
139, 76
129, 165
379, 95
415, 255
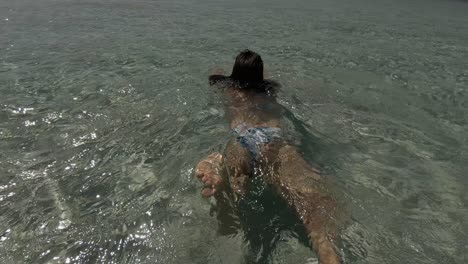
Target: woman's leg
208, 172
225, 178
211, 172
303, 188
238, 166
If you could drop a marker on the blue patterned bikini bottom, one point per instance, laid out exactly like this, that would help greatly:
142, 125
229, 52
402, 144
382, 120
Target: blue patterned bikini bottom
252, 138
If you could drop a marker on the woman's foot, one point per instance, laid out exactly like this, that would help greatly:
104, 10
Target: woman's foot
207, 171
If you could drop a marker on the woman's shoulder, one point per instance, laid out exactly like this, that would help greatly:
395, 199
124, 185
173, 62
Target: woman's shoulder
218, 79
267, 86
271, 87
271, 84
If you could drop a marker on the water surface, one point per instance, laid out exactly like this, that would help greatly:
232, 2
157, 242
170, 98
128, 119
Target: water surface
105, 110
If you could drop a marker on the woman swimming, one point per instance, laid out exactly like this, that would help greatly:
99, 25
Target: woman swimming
260, 151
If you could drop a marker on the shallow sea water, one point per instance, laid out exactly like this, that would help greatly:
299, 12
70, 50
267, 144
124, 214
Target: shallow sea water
105, 110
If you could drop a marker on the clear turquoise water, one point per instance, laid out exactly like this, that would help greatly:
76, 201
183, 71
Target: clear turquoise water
105, 110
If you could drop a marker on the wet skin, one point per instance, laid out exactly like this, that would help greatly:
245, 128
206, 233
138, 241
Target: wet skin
284, 170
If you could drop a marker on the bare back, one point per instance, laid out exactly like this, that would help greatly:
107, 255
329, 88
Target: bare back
252, 109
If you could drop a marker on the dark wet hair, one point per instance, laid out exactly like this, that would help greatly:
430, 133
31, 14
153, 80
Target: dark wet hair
247, 74
248, 67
